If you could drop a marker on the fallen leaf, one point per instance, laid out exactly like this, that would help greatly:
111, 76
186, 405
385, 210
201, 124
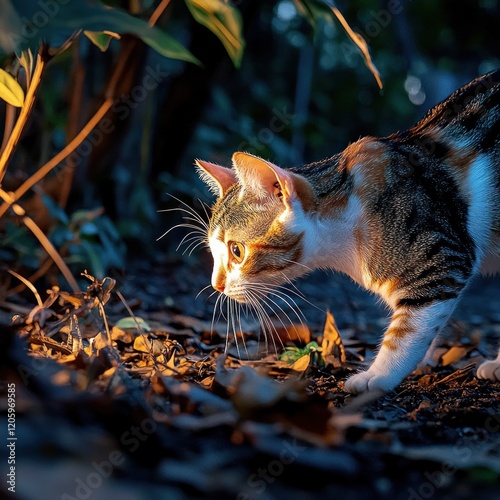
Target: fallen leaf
302, 363
332, 341
142, 344
125, 336
100, 342
453, 354
251, 392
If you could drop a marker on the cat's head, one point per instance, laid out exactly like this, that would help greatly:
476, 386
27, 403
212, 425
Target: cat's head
257, 227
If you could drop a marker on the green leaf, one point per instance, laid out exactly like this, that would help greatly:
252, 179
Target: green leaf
18, 20
99, 39
130, 322
224, 21
10, 90
291, 354
311, 347
54, 209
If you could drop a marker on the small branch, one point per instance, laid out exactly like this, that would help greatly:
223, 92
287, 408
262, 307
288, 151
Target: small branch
158, 12
23, 115
34, 277
50, 249
51, 164
29, 285
44, 241
360, 43
10, 120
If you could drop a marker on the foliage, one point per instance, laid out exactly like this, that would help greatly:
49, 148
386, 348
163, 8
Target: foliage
87, 238
59, 22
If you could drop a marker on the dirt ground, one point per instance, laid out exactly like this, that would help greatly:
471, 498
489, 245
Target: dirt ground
161, 412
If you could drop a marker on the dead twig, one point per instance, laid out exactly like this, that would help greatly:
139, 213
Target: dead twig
458, 374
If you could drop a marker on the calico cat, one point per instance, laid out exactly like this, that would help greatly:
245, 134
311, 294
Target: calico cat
412, 217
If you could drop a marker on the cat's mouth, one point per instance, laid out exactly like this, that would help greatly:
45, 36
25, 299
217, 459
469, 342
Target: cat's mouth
253, 292
238, 295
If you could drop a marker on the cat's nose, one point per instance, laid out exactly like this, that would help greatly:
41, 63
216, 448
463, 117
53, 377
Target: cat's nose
219, 283
218, 279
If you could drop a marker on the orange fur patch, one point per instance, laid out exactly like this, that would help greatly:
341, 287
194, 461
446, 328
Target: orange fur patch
304, 193
372, 156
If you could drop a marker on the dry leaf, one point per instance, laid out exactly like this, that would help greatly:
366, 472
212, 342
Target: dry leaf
454, 354
332, 341
251, 392
100, 342
302, 363
142, 343
125, 336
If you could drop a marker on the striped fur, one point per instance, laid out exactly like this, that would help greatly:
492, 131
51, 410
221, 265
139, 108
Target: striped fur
412, 217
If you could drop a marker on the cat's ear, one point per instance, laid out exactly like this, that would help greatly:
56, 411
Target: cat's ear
219, 179
263, 177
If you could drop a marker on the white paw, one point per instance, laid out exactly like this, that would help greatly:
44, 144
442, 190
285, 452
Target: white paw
489, 370
370, 380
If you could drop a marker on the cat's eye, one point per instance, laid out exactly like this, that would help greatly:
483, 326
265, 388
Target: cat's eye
237, 250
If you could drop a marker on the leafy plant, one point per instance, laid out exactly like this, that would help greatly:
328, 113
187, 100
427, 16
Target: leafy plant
35, 33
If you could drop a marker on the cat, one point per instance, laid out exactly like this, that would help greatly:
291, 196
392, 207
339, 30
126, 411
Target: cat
412, 217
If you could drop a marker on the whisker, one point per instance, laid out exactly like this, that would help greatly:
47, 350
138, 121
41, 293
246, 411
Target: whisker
192, 220
191, 247
299, 264
282, 294
238, 310
287, 317
190, 210
177, 226
189, 237
299, 294
219, 304
202, 290
264, 318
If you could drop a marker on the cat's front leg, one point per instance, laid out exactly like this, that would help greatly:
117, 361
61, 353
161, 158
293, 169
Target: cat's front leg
405, 343
490, 369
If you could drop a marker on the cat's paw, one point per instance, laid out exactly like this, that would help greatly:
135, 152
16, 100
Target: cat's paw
489, 370
369, 381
